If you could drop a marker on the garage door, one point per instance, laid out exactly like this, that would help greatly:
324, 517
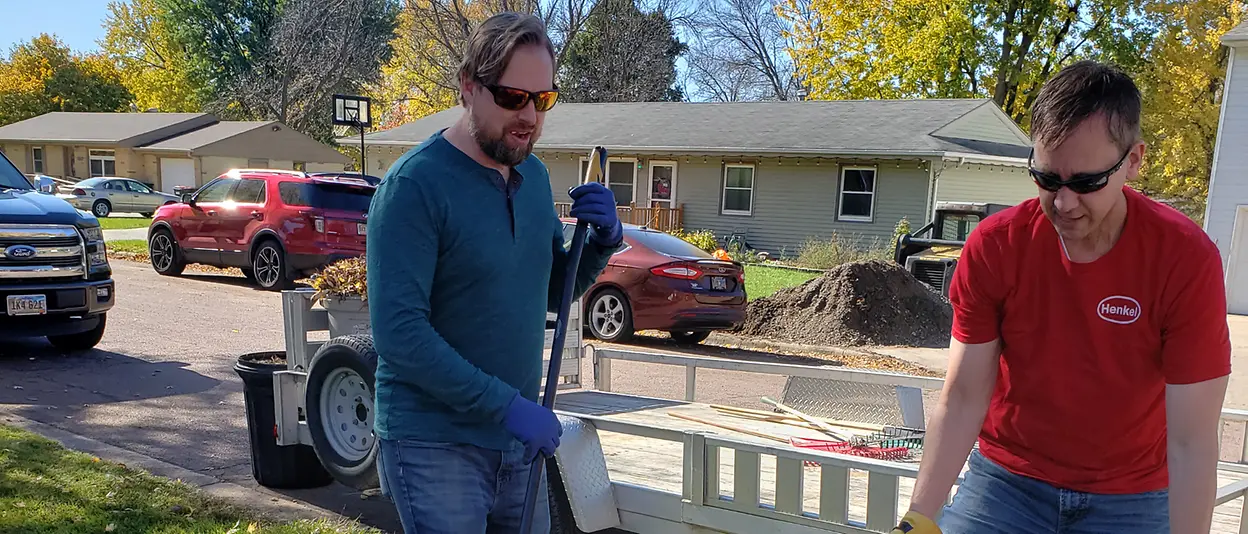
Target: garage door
176, 172
1237, 267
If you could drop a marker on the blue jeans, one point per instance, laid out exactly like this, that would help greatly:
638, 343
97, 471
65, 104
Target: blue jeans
994, 500
454, 488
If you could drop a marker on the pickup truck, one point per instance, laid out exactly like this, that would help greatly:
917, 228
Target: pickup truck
55, 279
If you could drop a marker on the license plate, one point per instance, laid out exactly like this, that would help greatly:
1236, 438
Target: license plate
27, 304
719, 283
360, 229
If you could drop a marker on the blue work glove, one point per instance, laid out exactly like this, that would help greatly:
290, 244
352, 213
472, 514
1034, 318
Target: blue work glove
595, 204
534, 425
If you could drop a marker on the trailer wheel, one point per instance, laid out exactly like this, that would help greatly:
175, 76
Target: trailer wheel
561, 519
340, 409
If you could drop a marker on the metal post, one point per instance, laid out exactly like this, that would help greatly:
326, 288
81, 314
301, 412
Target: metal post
362, 166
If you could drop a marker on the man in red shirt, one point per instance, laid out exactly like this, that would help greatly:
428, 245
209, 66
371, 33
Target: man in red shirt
1090, 348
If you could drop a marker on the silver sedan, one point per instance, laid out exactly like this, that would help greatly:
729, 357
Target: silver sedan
104, 195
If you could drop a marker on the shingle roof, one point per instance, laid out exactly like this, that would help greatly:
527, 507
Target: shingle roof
1236, 34
86, 127
207, 135
824, 127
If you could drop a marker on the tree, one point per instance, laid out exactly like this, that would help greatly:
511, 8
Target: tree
741, 53
317, 48
153, 65
43, 76
222, 39
1182, 89
957, 48
622, 55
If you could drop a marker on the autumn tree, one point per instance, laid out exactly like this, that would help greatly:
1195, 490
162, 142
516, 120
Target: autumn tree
1182, 88
622, 55
222, 38
153, 65
43, 76
740, 52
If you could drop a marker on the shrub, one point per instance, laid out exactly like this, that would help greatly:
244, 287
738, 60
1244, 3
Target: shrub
703, 239
902, 228
838, 250
342, 279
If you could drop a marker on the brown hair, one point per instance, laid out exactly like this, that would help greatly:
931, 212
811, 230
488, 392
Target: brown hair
492, 43
1082, 90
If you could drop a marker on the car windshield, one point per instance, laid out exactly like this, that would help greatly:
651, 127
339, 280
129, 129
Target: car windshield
326, 196
668, 244
11, 177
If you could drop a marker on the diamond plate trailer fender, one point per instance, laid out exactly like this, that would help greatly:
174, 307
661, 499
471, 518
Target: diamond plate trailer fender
583, 469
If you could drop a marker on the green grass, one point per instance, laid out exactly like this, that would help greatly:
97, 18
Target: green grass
46, 489
762, 281
124, 223
137, 246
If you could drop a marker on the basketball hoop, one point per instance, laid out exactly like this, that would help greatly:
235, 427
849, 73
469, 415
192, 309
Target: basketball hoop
351, 110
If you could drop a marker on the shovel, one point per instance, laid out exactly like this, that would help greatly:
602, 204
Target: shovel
597, 162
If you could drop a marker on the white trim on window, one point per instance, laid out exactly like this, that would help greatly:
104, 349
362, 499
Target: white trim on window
671, 201
723, 198
841, 192
38, 163
101, 156
606, 175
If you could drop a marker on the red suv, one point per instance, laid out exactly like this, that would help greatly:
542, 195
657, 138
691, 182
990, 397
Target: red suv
277, 226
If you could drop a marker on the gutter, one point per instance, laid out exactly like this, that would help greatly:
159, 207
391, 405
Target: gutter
734, 151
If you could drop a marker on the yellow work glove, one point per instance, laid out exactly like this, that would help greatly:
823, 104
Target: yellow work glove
915, 523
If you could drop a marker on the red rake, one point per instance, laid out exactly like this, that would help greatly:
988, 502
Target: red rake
826, 445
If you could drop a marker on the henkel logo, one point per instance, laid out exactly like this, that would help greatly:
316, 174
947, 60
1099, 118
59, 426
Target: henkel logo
1119, 309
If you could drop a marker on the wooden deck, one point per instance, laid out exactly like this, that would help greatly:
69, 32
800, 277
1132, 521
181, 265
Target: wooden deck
658, 464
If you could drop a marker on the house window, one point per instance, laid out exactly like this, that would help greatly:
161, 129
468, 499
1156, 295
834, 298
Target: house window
36, 159
301, 166
738, 189
103, 163
663, 182
621, 179
857, 194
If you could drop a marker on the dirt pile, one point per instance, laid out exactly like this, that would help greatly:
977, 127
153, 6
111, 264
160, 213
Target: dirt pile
862, 303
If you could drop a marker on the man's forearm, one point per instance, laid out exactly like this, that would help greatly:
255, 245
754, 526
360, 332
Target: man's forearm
955, 425
1193, 467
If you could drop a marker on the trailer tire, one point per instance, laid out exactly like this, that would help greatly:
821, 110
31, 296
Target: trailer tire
561, 519
339, 400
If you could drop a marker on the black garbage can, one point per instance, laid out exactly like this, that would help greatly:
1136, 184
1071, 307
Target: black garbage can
273, 465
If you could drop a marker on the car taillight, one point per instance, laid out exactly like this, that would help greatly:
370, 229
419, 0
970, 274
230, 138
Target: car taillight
319, 223
79, 192
683, 271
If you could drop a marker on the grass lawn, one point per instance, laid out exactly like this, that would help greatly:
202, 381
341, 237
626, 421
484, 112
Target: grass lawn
762, 281
46, 489
124, 223
137, 246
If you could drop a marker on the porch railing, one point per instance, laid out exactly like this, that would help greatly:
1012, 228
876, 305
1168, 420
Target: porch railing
662, 218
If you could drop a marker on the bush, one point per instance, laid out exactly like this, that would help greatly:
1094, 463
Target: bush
342, 279
838, 250
703, 239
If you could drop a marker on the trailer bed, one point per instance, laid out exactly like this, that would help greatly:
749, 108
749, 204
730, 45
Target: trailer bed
656, 461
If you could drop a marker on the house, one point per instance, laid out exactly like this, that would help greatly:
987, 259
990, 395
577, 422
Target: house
773, 173
162, 149
1226, 212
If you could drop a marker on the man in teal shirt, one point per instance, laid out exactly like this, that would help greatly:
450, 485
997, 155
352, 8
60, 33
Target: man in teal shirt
465, 258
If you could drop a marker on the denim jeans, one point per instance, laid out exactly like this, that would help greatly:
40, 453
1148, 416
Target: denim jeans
994, 500
454, 488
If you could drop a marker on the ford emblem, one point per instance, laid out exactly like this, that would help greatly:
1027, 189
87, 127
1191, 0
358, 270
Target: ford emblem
20, 252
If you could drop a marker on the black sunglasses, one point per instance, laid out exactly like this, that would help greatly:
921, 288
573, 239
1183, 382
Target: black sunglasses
1079, 183
515, 99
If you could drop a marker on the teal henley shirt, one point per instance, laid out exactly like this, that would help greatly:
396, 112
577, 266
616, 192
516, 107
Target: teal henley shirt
463, 266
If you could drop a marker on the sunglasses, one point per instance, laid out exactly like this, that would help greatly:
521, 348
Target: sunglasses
1079, 183
514, 99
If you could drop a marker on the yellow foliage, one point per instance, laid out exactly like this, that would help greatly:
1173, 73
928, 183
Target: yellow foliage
342, 279
152, 65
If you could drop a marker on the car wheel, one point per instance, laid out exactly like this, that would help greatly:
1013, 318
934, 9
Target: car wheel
610, 317
101, 208
689, 338
164, 253
83, 340
340, 389
268, 264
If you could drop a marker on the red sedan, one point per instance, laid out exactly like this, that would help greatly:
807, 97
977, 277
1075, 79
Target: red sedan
658, 281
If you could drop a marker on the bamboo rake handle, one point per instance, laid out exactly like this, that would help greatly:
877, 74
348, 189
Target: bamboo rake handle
729, 427
772, 415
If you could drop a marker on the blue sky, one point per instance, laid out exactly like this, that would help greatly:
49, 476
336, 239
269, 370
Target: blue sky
78, 23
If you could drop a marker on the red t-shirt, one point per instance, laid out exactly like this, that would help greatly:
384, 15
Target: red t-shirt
1087, 349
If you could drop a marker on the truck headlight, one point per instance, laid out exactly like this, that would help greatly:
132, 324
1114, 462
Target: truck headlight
99, 258
93, 233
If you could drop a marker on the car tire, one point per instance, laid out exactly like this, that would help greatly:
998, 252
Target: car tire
268, 264
689, 338
81, 341
610, 316
339, 399
168, 260
101, 209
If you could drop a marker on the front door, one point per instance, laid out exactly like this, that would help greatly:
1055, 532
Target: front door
242, 211
203, 224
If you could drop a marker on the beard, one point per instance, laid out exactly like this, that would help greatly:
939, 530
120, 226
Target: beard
495, 146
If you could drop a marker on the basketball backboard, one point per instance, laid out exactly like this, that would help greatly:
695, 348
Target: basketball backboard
352, 111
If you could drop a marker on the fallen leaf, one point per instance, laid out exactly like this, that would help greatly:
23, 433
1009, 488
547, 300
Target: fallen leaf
20, 504
111, 527
253, 527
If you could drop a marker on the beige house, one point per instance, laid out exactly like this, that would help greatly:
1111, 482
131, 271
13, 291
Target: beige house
164, 150
773, 173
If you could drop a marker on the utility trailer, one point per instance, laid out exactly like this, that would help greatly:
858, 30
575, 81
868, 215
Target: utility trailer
631, 463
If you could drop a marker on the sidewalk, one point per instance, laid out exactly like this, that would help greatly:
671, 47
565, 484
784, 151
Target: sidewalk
123, 235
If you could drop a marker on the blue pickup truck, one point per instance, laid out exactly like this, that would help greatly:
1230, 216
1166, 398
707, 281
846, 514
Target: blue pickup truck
55, 280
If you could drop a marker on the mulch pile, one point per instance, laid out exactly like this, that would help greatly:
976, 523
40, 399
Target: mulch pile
862, 303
